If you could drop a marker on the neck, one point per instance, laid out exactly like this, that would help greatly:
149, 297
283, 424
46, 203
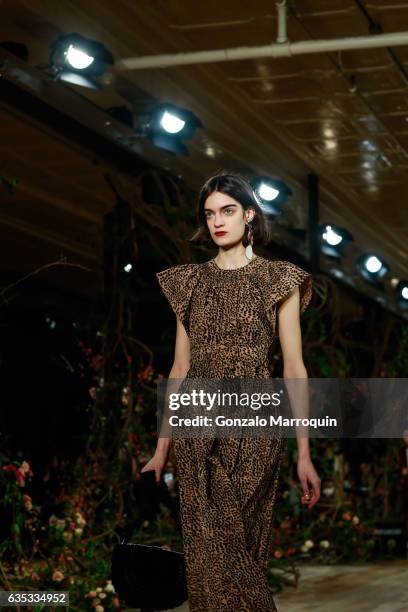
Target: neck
233, 258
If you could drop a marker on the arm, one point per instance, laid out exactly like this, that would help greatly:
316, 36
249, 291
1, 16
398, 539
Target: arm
291, 344
179, 369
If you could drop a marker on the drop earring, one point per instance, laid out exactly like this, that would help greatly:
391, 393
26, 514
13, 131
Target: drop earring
250, 239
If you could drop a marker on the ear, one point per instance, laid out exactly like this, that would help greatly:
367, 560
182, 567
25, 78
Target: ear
250, 216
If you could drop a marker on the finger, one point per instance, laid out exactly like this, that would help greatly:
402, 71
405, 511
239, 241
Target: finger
308, 497
157, 475
306, 489
315, 494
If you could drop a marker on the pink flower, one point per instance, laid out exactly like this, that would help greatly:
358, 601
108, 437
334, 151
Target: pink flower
347, 516
10, 467
115, 602
27, 502
20, 477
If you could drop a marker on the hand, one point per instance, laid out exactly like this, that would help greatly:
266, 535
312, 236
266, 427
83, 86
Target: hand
307, 474
156, 463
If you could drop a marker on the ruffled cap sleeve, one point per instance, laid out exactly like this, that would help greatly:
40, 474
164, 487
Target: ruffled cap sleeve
284, 277
177, 284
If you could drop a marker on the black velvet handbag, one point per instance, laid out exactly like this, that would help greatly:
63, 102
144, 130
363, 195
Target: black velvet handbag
148, 577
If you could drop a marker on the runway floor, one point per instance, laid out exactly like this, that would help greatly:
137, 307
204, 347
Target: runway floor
380, 587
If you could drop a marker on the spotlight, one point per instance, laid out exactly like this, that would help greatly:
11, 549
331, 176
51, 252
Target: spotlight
271, 193
331, 236
171, 123
128, 267
268, 193
333, 240
76, 59
168, 125
372, 267
402, 293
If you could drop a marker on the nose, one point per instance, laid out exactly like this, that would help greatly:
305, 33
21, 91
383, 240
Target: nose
218, 221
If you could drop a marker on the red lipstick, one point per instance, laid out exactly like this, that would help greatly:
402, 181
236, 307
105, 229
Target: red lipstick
220, 233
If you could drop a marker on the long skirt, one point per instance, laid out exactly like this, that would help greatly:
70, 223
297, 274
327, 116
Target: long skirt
227, 490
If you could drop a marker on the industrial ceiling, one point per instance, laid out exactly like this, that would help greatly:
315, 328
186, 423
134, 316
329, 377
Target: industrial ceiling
341, 114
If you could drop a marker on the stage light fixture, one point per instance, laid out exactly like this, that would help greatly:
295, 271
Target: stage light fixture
171, 123
271, 193
402, 293
79, 60
168, 125
267, 192
331, 236
333, 240
372, 267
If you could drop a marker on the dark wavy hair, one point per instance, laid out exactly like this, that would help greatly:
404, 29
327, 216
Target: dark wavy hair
239, 188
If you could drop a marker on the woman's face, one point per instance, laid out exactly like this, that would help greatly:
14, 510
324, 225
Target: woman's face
225, 219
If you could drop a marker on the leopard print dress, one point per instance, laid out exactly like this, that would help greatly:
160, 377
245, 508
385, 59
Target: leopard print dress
228, 486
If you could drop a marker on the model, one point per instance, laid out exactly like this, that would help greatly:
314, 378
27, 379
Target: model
229, 310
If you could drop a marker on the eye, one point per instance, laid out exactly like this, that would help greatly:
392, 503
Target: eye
229, 210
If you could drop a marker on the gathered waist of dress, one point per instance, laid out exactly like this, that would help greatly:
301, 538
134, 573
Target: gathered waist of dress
210, 346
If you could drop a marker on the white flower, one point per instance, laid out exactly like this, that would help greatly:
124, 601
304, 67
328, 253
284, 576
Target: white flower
327, 491
324, 544
309, 544
78, 531
25, 467
80, 519
109, 588
355, 520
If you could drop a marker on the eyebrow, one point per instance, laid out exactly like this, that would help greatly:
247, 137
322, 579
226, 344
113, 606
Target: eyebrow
222, 207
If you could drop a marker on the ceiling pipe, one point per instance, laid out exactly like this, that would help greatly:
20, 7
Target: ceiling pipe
282, 20
275, 50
